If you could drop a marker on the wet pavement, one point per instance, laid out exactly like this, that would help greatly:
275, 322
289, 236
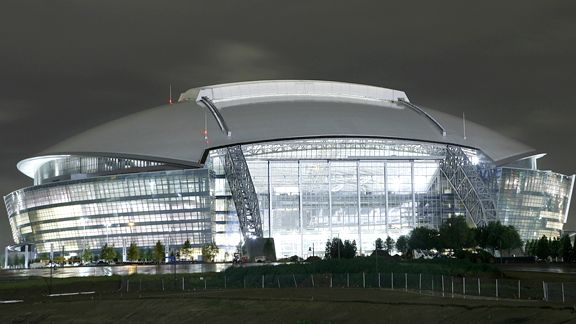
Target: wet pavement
122, 270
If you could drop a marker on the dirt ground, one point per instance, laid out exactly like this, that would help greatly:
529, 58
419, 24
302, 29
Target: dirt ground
320, 305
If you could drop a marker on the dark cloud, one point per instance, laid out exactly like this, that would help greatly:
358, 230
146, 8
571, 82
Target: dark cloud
66, 66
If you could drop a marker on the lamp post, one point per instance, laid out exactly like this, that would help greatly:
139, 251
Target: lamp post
84, 236
312, 249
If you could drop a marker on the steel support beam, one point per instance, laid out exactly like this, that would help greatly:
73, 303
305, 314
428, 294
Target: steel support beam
469, 187
243, 192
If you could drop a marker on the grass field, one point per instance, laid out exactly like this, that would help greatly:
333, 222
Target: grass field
322, 305
203, 299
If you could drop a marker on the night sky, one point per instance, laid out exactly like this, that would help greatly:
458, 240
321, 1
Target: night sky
66, 66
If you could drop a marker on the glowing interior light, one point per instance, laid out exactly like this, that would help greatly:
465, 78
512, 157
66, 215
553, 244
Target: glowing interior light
474, 160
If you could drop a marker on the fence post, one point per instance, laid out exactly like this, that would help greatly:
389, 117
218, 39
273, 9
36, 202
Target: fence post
312, 277
464, 286
420, 283
262, 281
478, 286
244, 281
278, 279
378, 279
442, 285
392, 280
518, 288
432, 284
294, 277
162, 284
347, 280
127, 285
405, 281
363, 280
496, 288
225, 284
183, 288
544, 291
205, 282
330, 280
563, 300
452, 280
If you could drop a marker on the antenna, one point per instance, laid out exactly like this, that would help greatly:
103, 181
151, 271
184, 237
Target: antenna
464, 123
170, 99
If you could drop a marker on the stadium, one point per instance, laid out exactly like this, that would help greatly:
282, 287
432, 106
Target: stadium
297, 161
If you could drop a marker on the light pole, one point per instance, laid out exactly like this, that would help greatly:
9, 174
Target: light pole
84, 235
312, 249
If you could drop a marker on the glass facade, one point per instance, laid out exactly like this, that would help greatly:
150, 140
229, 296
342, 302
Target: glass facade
353, 188
309, 191
73, 166
535, 202
166, 206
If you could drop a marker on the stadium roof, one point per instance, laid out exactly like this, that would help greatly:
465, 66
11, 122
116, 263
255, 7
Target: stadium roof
259, 111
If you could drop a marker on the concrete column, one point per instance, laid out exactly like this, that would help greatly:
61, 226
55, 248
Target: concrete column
269, 200
26, 256
330, 199
386, 214
413, 194
300, 213
167, 250
358, 209
6, 258
124, 254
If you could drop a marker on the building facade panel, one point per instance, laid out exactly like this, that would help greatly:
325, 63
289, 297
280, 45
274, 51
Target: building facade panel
535, 202
166, 206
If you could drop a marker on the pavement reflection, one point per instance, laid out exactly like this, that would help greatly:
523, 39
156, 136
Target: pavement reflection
121, 270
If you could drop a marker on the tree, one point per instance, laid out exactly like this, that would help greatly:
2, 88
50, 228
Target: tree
566, 249
402, 244
334, 248
108, 253
379, 244
147, 254
60, 259
510, 238
389, 244
530, 248
543, 248
186, 250
455, 234
554, 247
158, 252
423, 238
349, 250
87, 255
497, 236
133, 252
209, 251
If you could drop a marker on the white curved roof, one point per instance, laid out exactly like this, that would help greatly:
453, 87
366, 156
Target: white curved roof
270, 110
